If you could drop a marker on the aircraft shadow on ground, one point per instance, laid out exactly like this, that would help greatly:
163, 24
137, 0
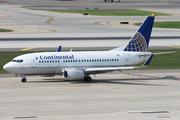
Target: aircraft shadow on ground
95, 81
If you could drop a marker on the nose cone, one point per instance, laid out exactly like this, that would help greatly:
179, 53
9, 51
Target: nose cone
6, 66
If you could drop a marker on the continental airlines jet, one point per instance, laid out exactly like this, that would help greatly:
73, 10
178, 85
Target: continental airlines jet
79, 65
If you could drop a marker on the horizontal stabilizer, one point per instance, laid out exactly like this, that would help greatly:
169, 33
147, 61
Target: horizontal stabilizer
148, 54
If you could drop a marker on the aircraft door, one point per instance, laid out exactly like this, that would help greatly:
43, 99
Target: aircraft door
33, 61
126, 59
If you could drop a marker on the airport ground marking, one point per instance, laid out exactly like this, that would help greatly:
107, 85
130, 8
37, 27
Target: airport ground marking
14, 87
172, 46
48, 21
27, 48
143, 76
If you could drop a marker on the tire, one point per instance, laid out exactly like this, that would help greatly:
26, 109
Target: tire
87, 79
23, 80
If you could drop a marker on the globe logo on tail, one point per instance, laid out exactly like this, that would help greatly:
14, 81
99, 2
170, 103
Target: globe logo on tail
137, 43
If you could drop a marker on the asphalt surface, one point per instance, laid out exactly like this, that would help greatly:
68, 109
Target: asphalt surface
143, 95
91, 4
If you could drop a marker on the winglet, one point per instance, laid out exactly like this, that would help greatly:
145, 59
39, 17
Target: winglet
148, 61
59, 49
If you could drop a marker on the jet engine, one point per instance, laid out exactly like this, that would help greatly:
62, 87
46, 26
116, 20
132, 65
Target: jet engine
73, 74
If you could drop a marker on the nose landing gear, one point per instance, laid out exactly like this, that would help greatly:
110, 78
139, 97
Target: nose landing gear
23, 80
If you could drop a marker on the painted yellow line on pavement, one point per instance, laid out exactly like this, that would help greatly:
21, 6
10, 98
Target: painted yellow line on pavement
14, 87
48, 21
172, 46
27, 48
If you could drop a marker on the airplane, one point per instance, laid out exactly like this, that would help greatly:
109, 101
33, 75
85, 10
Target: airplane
80, 65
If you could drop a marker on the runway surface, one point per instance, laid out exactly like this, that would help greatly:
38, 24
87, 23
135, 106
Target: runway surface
140, 95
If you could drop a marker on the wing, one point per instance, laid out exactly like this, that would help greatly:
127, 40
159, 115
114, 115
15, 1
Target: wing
109, 69
105, 69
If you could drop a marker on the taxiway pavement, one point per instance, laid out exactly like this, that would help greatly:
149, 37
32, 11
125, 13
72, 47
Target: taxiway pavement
155, 95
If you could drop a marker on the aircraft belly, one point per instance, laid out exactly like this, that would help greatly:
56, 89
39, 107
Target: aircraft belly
39, 71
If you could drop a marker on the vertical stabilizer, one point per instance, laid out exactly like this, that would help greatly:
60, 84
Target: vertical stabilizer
140, 41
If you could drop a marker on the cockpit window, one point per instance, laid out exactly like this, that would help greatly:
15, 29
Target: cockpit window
13, 60
18, 61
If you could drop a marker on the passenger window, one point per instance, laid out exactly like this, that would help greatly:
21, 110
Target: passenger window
47, 61
44, 61
58, 61
84, 60
39, 61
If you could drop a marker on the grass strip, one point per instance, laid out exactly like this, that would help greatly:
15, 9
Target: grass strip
127, 12
164, 61
170, 24
5, 30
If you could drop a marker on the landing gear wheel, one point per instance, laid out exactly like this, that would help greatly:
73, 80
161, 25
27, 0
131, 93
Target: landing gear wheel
24, 80
87, 79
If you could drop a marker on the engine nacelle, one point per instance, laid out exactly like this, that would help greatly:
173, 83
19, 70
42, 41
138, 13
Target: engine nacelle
73, 74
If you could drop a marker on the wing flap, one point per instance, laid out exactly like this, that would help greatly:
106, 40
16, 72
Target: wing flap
106, 69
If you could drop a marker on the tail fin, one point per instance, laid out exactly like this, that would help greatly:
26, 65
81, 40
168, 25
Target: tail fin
140, 41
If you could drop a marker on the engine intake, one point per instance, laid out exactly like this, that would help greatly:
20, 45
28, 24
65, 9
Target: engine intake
72, 74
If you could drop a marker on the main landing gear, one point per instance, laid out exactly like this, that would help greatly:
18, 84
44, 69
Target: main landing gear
87, 79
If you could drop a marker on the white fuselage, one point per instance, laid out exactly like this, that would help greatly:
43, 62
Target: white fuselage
53, 63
